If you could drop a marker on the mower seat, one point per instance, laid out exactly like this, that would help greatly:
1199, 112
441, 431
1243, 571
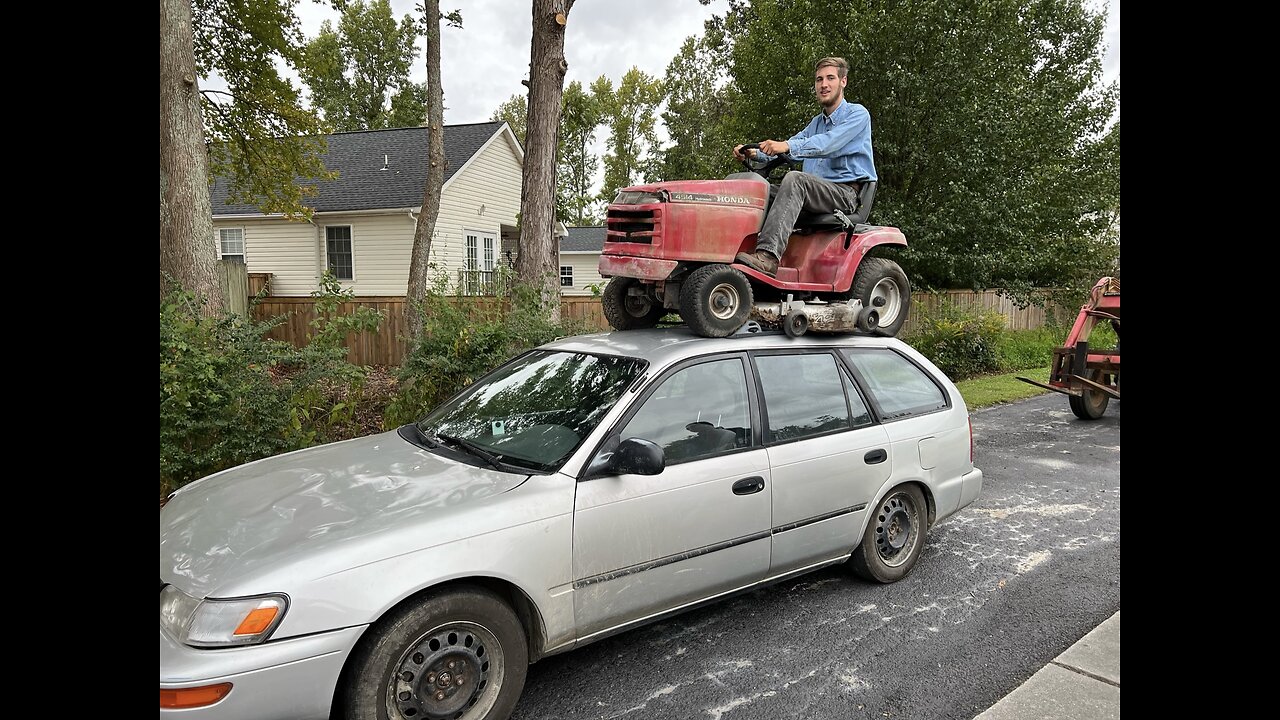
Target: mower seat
845, 220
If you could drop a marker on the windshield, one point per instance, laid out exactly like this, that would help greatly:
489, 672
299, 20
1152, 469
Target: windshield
535, 411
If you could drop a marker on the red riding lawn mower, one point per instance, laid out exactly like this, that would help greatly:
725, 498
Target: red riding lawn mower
671, 246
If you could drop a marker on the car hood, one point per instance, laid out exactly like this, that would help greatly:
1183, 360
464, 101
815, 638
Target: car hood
290, 511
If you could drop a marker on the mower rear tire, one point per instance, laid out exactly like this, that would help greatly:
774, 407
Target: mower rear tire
715, 300
625, 311
882, 286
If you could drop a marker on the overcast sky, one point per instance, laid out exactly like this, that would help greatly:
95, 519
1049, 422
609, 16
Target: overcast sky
483, 63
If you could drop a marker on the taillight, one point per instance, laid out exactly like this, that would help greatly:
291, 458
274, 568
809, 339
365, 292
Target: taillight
970, 440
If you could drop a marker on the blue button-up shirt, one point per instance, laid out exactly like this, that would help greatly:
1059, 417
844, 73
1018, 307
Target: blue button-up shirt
838, 147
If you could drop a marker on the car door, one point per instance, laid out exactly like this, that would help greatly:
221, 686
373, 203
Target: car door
646, 544
827, 458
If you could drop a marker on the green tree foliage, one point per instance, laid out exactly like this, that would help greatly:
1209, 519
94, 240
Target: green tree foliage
580, 116
630, 112
463, 338
359, 73
699, 100
259, 134
990, 125
514, 112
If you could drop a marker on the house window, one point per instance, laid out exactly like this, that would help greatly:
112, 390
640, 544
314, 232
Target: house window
566, 276
472, 263
231, 243
477, 276
338, 249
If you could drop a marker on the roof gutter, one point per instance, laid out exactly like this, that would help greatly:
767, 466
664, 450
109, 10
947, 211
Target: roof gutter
279, 216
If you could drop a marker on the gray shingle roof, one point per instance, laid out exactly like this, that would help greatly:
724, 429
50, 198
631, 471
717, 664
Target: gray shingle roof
583, 238
362, 183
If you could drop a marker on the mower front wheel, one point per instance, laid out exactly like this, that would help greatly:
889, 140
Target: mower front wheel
626, 311
715, 300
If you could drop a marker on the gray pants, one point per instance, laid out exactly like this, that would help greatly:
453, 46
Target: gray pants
801, 192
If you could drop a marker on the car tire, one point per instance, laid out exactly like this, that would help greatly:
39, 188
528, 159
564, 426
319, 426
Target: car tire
629, 312
1093, 403
459, 654
715, 300
882, 281
894, 536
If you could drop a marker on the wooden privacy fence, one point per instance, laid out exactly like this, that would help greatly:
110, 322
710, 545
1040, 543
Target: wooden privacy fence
387, 347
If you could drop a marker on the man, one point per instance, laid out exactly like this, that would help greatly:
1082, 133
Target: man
836, 149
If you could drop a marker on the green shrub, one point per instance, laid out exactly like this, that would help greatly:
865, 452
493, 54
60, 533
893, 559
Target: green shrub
464, 338
229, 396
219, 404
962, 343
1027, 349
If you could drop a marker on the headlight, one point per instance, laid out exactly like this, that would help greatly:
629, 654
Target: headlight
635, 197
219, 623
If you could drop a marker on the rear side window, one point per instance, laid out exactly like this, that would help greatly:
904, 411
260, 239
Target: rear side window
803, 395
896, 385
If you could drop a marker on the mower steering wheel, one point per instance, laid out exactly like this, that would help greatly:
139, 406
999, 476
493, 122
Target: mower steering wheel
760, 167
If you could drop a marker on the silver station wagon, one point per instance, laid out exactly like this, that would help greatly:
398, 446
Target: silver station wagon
584, 488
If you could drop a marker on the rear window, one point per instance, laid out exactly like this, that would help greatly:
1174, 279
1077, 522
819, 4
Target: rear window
898, 387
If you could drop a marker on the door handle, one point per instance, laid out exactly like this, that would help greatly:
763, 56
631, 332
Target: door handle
875, 456
748, 486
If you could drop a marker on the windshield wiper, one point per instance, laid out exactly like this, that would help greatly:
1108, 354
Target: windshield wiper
474, 449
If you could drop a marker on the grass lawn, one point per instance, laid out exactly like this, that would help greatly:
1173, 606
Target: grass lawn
994, 389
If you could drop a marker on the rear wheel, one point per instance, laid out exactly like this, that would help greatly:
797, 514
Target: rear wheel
460, 655
1093, 403
627, 311
715, 300
894, 536
882, 286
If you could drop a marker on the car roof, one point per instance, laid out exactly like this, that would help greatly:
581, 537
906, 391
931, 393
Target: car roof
663, 346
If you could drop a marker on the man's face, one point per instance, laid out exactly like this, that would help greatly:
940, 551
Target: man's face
829, 86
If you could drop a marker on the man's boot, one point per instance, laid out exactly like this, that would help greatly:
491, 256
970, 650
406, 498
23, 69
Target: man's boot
759, 260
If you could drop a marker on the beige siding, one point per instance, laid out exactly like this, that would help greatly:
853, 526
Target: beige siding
285, 249
482, 197
586, 271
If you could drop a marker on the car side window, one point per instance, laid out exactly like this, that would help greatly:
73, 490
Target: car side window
897, 386
803, 395
698, 411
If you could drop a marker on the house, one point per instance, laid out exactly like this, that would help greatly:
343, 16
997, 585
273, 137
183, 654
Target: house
580, 260
364, 220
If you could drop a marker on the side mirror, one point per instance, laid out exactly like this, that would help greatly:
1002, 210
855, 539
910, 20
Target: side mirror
633, 456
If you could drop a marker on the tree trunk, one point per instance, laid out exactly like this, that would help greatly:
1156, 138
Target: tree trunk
188, 254
419, 278
538, 262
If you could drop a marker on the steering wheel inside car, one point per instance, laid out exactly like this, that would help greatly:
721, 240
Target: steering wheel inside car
764, 167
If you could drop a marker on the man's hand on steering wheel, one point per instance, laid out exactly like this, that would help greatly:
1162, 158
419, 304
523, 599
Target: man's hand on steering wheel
759, 162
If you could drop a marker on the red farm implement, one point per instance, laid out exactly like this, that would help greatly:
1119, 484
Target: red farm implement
1089, 377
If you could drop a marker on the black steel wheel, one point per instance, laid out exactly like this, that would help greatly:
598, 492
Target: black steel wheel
1093, 403
715, 300
894, 536
458, 655
882, 286
629, 311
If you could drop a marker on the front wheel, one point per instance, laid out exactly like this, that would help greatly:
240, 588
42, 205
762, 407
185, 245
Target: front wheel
715, 300
1093, 403
627, 311
460, 655
894, 536
882, 286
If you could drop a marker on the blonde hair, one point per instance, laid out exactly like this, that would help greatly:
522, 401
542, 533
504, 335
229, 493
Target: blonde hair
839, 63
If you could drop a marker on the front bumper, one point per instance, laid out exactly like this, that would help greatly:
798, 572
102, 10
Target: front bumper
290, 679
